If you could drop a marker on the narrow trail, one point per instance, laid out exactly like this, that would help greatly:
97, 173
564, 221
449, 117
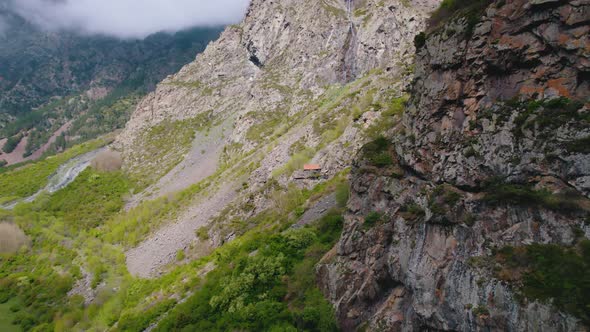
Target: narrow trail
159, 250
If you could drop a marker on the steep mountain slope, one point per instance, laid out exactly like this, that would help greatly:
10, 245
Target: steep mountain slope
489, 199
451, 193
297, 82
48, 79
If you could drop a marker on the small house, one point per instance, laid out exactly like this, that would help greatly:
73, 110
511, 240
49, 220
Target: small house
312, 168
310, 171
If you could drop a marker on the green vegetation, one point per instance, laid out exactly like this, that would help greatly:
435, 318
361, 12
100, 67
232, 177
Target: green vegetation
7, 316
27, 180
372, 219
81, 231
481, 310
49, 87
342, 194
581, 145
546, 116
297, 161
499, 193
550, 273
164, 146
470, 9
395, 109
105, 115
446, 194
332, 10
263, 282
378, 153
90, 200
420, 41
11, 143
134, 322
412, 212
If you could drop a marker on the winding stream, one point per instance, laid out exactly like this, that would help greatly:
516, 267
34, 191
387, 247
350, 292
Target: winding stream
64, 175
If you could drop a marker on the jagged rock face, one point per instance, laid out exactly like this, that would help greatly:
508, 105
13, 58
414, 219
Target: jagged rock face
282, 56
412, 271
520, 50
286, 80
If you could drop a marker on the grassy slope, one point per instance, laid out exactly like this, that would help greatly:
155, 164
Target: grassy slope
75, 235
26, 180
7, 316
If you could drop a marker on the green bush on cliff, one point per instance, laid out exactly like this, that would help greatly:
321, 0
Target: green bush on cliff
265, 282
420, 41
499, 193
11, 143
552, 273
546, 116
581, 145
377, 152
471, 9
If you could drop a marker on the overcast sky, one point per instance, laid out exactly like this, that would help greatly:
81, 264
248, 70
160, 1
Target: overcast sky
2, 26
129, 18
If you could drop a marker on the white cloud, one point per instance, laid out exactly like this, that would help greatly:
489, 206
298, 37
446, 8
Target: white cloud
129, 18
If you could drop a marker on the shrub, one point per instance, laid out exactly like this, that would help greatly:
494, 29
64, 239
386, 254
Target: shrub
12, 238
107, 161
481, 310
342, 194
525, 195
377, 152
12, 143
472, 9
203, 233
142, 320
549, 114
552, 273
420, 40
271, 290
381, 160
412, 212
580, 145
446, 195
91, 199
372, 219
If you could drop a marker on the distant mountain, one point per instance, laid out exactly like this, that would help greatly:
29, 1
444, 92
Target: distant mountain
49, 79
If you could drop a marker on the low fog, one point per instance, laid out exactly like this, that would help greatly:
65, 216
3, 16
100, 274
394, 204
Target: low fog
128, 18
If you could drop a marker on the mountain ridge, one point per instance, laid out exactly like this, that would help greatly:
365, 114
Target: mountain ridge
51, 78
332, 165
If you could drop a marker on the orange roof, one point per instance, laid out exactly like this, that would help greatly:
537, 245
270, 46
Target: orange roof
312, 167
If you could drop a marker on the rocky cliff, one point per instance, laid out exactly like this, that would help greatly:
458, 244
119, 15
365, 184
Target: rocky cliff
425, 181
491, 158
297, 81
